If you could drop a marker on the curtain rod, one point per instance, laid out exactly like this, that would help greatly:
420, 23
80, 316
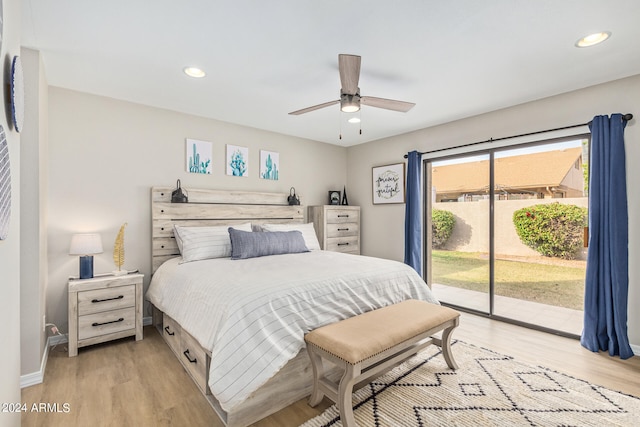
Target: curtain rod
625, 117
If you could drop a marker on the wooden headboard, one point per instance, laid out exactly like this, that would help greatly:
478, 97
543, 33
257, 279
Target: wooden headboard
212, 207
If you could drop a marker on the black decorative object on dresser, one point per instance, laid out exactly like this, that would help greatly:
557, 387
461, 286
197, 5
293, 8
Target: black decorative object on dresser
334, 197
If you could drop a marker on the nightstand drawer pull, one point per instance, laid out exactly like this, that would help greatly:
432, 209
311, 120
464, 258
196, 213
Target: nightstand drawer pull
106, 323
343, 229
343, 216
343, 244
186, 354
166, 328
107, 299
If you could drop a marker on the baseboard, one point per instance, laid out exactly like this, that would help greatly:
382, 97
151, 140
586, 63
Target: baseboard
37, 377
636, 349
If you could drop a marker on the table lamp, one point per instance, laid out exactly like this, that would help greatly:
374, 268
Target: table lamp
86, 245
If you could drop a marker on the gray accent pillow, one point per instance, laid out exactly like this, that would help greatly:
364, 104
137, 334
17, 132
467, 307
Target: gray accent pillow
245, 244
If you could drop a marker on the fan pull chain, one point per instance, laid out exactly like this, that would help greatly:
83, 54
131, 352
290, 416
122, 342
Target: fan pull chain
340, 121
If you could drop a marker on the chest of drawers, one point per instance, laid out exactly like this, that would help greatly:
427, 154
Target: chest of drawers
337, 227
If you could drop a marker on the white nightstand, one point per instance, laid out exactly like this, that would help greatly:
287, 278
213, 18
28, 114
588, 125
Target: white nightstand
104, 309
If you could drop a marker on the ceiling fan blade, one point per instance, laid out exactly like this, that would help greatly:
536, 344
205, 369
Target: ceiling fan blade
349, 67
315, 107
388, 104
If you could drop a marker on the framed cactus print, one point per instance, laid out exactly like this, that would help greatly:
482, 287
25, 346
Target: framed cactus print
198, 156
269, 165
237, 160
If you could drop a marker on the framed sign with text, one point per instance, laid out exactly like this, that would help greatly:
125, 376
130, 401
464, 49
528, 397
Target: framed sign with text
388, 184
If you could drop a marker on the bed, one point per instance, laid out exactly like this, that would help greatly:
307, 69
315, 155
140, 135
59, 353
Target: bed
245, 319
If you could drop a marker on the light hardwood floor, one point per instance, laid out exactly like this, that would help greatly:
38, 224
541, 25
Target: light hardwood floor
129, 383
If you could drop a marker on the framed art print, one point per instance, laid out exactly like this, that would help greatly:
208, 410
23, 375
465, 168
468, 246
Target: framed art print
237, 160
198, 156
5, 186
388, 184
269, 165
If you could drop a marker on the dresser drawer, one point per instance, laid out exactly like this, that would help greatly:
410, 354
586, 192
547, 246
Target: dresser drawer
107, 299
350, 244
343, 229
94, 325
171, 332
336, 216
195, 360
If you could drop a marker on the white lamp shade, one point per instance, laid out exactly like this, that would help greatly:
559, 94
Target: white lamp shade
85, 244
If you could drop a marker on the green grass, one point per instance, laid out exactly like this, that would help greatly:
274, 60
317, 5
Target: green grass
543, 283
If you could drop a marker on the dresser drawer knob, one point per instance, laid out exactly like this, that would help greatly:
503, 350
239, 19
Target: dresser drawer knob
93, 301
343, 216
166, 328
106, 323
186, 354
343, 229
343, 244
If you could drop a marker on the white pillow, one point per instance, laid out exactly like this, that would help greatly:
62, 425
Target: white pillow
196, 243
307, 230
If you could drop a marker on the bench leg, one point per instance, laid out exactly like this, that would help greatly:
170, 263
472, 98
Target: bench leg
345, 391
446, 346
318, 374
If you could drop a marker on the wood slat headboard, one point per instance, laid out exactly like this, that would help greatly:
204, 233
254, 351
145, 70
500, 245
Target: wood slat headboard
212, 207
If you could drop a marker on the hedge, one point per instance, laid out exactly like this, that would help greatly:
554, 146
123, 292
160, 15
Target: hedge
442, 223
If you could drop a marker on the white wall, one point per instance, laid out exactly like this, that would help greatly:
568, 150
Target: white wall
10, 247
33, 228
105, 155
383, 225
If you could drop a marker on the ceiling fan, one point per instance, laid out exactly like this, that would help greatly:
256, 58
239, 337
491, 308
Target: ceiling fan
350, 98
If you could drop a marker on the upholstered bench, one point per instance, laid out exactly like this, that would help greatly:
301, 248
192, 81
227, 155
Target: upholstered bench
366, 345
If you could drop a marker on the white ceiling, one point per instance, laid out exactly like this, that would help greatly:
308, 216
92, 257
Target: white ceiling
263, 59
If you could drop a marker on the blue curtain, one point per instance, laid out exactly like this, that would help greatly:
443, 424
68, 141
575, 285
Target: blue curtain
413, 214
607, 281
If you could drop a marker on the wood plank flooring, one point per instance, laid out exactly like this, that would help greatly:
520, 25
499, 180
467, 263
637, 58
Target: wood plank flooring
129, 383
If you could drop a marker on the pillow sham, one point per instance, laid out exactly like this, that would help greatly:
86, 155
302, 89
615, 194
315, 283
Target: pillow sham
251, 245
197, 243
307, 230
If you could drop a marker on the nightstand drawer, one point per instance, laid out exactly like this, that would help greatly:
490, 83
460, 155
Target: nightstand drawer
107, 299
94, 325
344, 244
342, 230
336, 216
171, 332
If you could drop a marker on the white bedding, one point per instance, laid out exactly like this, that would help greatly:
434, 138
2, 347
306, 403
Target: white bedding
252, 314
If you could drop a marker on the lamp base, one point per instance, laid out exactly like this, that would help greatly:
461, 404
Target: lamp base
119, 272
86, 267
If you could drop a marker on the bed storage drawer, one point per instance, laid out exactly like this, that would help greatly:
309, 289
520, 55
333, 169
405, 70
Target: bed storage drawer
171, 332
195, 360
94, 325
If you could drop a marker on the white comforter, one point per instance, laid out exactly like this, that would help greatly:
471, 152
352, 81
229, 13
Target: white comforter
252, 314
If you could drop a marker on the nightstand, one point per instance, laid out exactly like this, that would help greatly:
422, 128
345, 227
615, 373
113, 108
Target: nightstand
103, 309
337, 227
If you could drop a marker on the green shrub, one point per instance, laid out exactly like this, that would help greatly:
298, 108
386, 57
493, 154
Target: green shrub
552, 229
442, 223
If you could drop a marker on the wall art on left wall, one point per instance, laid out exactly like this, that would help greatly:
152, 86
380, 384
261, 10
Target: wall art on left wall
198, 156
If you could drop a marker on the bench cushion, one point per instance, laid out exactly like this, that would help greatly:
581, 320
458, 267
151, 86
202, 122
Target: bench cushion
361, 337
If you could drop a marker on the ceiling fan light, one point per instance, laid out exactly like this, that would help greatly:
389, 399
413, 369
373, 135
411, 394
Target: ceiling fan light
350, 108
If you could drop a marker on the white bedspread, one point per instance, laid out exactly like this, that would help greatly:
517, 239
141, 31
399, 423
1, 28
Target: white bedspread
252, 314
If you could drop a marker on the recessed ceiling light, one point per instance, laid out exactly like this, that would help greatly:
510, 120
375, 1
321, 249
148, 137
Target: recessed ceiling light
194, 72
354, 120
593, 39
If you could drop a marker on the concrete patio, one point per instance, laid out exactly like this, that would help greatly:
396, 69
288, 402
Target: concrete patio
549, 316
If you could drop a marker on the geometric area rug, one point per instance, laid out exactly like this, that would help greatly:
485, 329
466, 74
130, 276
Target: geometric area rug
488, 389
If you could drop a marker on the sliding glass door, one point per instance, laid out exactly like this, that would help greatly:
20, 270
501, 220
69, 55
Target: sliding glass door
506, 233
459, 231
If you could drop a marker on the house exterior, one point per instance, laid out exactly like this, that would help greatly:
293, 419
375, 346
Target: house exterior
543, 175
